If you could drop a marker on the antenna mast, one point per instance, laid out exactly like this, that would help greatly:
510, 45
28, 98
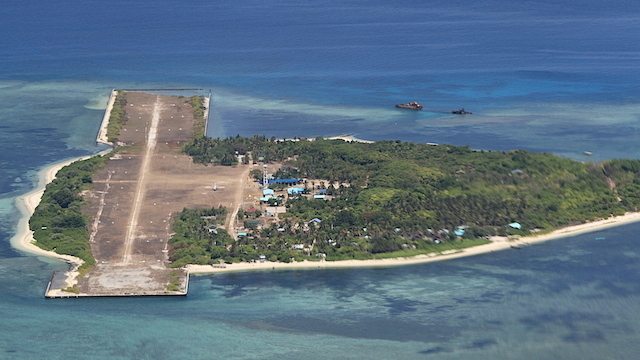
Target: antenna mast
265, 182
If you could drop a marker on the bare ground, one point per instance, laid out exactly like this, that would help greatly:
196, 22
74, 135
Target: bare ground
135, 195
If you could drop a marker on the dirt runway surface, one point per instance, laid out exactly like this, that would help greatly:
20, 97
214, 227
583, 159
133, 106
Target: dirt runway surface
143, 185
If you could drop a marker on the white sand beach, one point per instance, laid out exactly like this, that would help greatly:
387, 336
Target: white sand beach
349, 138
102, 133
497, 245
23, 240
27, 203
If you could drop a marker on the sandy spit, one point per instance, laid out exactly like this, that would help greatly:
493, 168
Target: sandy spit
23, 239
27, 203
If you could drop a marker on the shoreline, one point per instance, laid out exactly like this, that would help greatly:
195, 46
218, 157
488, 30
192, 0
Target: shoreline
27, 203
23, 239
496, 245
102, 132
349, 138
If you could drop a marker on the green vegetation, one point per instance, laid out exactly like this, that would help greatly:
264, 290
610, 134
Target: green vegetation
72, 289
456, 244
392, 196
174, 281
197, 238
57, 222
197, 103
385, 199
117, 118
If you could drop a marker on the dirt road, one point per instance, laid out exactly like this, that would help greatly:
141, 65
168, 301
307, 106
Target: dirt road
135, 195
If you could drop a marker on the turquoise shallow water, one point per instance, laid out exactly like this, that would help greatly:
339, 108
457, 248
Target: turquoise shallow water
563, 299
554, 76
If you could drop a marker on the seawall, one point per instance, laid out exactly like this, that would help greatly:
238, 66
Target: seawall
102, 133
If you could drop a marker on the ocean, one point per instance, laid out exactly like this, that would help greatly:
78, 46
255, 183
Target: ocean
546, 76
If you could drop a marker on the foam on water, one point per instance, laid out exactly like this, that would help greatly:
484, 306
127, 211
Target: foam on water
97, 103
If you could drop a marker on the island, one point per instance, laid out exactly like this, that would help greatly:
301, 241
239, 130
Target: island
168, 201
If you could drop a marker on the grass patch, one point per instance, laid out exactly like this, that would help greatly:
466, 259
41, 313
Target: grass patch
117, 118
197, 103
174, 281
72, 289
435, 248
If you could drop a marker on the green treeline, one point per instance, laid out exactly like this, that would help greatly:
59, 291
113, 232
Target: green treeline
57, 222
197, 237
450, 185
117, 118
392, 196
197, 103
206, 150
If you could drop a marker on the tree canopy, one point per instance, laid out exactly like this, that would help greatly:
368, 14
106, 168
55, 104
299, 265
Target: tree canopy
392, 195
57, 222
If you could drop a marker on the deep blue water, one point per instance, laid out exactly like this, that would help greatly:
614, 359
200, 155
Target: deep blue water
552, 76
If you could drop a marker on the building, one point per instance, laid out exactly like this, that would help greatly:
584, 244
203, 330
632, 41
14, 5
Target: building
295, 191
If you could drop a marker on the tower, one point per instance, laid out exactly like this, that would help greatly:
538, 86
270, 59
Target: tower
265, 182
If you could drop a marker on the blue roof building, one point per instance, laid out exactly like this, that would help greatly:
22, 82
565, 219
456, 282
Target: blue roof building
295, 191
460, 230
515, 225
282, 181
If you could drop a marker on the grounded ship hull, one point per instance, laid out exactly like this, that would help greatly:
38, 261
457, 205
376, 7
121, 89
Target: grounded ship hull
411, 106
